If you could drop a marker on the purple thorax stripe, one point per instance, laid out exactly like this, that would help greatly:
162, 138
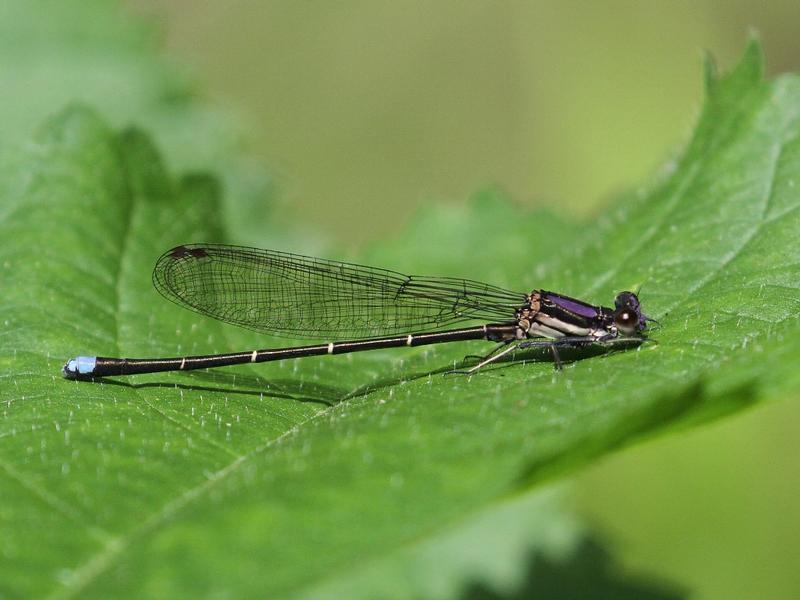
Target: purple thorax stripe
572, 305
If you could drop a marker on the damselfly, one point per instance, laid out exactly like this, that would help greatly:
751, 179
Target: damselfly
298, 296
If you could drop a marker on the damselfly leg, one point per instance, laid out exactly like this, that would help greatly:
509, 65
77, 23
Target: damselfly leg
501, 350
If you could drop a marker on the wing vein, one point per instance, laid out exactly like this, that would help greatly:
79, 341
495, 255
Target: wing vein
298, 296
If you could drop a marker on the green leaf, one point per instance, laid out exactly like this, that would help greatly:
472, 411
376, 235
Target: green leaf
306, 477
96, 52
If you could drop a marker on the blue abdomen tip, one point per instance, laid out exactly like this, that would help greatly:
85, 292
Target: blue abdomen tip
79, 366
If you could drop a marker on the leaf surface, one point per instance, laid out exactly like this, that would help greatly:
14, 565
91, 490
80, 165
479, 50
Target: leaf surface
300, 477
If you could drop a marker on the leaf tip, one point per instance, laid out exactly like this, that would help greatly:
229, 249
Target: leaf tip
710, 71
747, 74
752, 61
749, 71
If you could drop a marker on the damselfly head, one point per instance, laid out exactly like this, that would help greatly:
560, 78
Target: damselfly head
628, 315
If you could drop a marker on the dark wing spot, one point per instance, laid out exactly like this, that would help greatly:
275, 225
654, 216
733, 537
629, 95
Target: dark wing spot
185, 252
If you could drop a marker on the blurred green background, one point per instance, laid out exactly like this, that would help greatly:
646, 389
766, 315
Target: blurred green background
364, 111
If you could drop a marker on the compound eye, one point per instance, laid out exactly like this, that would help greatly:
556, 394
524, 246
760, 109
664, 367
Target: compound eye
627, 300
627, 319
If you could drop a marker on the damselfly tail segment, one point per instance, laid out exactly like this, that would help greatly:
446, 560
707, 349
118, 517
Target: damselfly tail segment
298, 296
